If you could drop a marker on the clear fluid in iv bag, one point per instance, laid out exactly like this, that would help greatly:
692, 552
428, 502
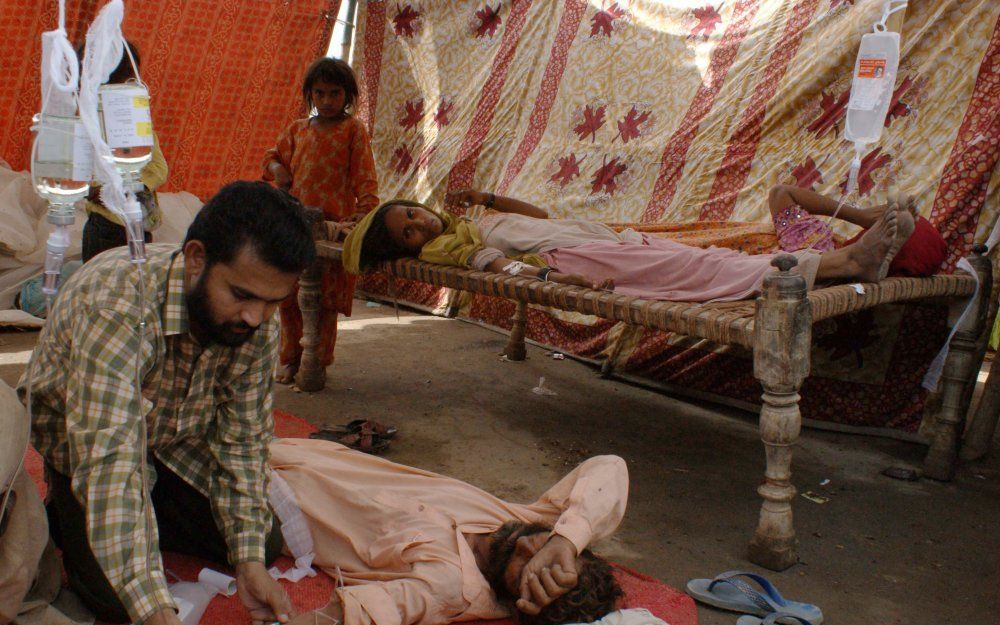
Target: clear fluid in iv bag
127, 126
62, 159
871, 87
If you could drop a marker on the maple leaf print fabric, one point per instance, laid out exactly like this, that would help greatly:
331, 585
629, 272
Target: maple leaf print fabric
677, 118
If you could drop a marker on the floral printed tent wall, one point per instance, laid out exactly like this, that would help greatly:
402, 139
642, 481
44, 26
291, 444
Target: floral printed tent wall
678, 112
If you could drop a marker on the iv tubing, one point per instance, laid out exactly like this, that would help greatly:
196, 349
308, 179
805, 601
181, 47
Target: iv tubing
123, 203
890, 7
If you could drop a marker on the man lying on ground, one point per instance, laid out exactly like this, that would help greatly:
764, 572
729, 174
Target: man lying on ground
414, 547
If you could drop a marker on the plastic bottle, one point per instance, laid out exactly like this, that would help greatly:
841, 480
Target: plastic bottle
128, 128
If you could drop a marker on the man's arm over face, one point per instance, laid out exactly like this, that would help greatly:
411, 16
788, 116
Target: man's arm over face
104, 417
243, 432
589, 503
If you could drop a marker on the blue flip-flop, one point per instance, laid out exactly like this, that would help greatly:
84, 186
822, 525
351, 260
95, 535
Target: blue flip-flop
774, 618
729, 593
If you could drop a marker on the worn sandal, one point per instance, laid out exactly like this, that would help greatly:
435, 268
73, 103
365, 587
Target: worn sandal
729, 593
376, 427
774, 618
367, 442
359, 426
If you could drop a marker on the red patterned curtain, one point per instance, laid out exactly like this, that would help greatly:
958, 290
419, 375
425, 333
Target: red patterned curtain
224, 76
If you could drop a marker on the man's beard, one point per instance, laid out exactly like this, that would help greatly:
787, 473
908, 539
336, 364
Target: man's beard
200, 314
503, 542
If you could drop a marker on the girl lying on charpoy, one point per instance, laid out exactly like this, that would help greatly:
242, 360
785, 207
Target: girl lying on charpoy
518, 238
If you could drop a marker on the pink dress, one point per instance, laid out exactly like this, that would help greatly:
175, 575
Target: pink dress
798, 230
661, 269
641, 265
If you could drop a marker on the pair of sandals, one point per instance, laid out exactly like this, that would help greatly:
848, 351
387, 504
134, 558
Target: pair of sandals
762, 607
371, 437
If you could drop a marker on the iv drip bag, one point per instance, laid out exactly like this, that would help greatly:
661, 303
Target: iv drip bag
60, 76
871, 87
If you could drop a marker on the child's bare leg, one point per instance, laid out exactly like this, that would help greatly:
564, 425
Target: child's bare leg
868, 259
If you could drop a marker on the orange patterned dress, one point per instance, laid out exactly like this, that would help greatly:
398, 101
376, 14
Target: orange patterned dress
332, 167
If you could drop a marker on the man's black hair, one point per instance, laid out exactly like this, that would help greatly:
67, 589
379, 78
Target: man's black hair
269, 220
123, 71
595, 595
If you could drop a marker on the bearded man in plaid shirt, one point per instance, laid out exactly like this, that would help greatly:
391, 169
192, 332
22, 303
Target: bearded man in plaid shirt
206, 358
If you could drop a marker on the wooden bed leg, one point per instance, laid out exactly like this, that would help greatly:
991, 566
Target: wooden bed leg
983, 424
782, 343
979, 437
515, 349
312, 375
958, 380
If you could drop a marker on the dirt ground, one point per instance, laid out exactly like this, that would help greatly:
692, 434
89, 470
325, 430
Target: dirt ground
880, 551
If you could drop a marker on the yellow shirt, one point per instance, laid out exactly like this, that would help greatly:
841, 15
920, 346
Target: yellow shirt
152, 175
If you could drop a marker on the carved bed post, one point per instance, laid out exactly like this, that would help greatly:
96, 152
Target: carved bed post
960, 372
782, 341
312, 375
515, 349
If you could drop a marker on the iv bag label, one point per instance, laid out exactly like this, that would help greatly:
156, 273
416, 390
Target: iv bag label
866, 90
871, 68
127, 122
83, 154
63, 150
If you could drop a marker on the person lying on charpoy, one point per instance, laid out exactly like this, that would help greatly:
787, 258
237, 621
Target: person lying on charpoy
416, 548
589, 254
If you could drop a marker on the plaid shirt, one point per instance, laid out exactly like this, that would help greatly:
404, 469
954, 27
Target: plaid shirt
208, 414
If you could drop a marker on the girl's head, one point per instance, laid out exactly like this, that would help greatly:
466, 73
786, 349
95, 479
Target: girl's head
398, 229
330, 87
123, 72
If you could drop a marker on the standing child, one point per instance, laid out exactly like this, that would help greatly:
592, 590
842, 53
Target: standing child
326, 161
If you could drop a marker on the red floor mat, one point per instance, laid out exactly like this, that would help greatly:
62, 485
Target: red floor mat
671, 605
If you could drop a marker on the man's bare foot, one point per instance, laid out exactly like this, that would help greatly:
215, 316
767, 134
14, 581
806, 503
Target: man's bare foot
876, 212
871, 255
286, 374
905, 225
